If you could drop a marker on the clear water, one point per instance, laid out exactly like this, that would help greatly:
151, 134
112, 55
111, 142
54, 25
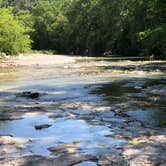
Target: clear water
91, 138
87, 163
94, 80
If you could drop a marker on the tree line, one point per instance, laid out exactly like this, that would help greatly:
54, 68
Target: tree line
86, 27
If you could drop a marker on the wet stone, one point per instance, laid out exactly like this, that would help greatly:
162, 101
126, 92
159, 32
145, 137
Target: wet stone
35, 160
44, 126
30, 94
64, 149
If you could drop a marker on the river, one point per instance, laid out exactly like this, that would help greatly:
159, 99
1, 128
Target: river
95, 108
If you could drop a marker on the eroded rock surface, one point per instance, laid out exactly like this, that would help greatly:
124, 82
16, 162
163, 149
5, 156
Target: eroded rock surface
66, 160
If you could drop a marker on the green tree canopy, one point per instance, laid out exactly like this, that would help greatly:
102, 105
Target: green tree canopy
13, 37
126, 27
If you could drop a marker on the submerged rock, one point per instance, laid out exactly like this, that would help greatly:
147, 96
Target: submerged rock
40, 127
64, 149
30, 94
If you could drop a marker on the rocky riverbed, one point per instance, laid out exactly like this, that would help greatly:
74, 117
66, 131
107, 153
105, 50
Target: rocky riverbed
83, 112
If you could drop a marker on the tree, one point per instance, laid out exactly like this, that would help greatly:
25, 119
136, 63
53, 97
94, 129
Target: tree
13, 37
153, 36
126, 27
51, 27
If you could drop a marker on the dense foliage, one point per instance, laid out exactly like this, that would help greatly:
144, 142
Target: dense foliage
13, 37
126, 27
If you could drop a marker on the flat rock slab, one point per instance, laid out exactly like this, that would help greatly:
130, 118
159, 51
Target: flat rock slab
64, 149
66, 160
148, 151
11, 145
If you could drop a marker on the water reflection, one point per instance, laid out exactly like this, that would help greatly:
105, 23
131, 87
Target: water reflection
145, 98
91, 138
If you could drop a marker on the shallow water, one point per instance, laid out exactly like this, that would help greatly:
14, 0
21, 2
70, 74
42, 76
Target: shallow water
139, 97
96, 81
86, 163
91, 138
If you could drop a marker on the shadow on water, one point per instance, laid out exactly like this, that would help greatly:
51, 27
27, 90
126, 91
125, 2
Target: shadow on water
120, 58
148, 66
143, 99
115, 89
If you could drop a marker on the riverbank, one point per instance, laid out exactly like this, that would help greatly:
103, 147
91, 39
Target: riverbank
35, 59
